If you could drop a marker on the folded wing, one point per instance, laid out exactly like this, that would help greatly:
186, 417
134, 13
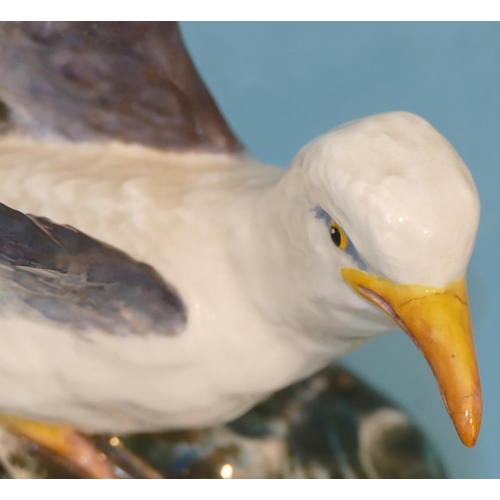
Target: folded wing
81, 283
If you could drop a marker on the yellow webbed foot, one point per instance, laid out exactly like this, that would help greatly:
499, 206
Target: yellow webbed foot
79, 451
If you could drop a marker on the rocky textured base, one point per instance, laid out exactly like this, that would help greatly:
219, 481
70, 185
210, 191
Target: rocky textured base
331, 425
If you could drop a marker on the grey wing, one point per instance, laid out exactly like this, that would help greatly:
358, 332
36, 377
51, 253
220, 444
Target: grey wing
132, 82
98, 81
79, 282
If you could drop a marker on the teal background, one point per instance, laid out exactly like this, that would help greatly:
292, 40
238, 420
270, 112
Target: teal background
281, 84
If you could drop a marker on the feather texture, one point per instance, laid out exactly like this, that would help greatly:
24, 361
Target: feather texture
76, 280
101, 81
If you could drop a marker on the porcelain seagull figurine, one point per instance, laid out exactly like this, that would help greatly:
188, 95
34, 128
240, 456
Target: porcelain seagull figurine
155, 276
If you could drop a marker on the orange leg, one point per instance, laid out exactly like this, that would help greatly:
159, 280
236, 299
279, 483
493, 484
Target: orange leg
66, 443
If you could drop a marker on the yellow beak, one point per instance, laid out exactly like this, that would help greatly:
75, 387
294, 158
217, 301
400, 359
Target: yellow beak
438, 322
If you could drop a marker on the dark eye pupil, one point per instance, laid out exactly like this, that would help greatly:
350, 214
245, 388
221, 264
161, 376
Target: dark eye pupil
336, 236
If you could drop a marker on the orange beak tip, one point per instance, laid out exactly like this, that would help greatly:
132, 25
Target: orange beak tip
467, 420
467, 428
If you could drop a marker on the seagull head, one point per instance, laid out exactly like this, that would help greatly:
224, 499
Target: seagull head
393, 218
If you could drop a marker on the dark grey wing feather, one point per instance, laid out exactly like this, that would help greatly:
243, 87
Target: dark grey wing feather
73, 279
99, 81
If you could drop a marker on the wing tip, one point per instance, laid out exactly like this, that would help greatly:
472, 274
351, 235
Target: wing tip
97, 81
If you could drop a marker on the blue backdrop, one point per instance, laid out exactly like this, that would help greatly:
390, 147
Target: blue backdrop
281, 84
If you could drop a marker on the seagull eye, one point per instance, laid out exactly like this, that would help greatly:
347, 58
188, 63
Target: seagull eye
338, 236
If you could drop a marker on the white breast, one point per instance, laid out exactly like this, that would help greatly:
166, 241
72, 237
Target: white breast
174, 212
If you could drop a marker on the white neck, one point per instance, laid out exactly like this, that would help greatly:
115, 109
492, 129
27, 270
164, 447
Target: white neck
285, 276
